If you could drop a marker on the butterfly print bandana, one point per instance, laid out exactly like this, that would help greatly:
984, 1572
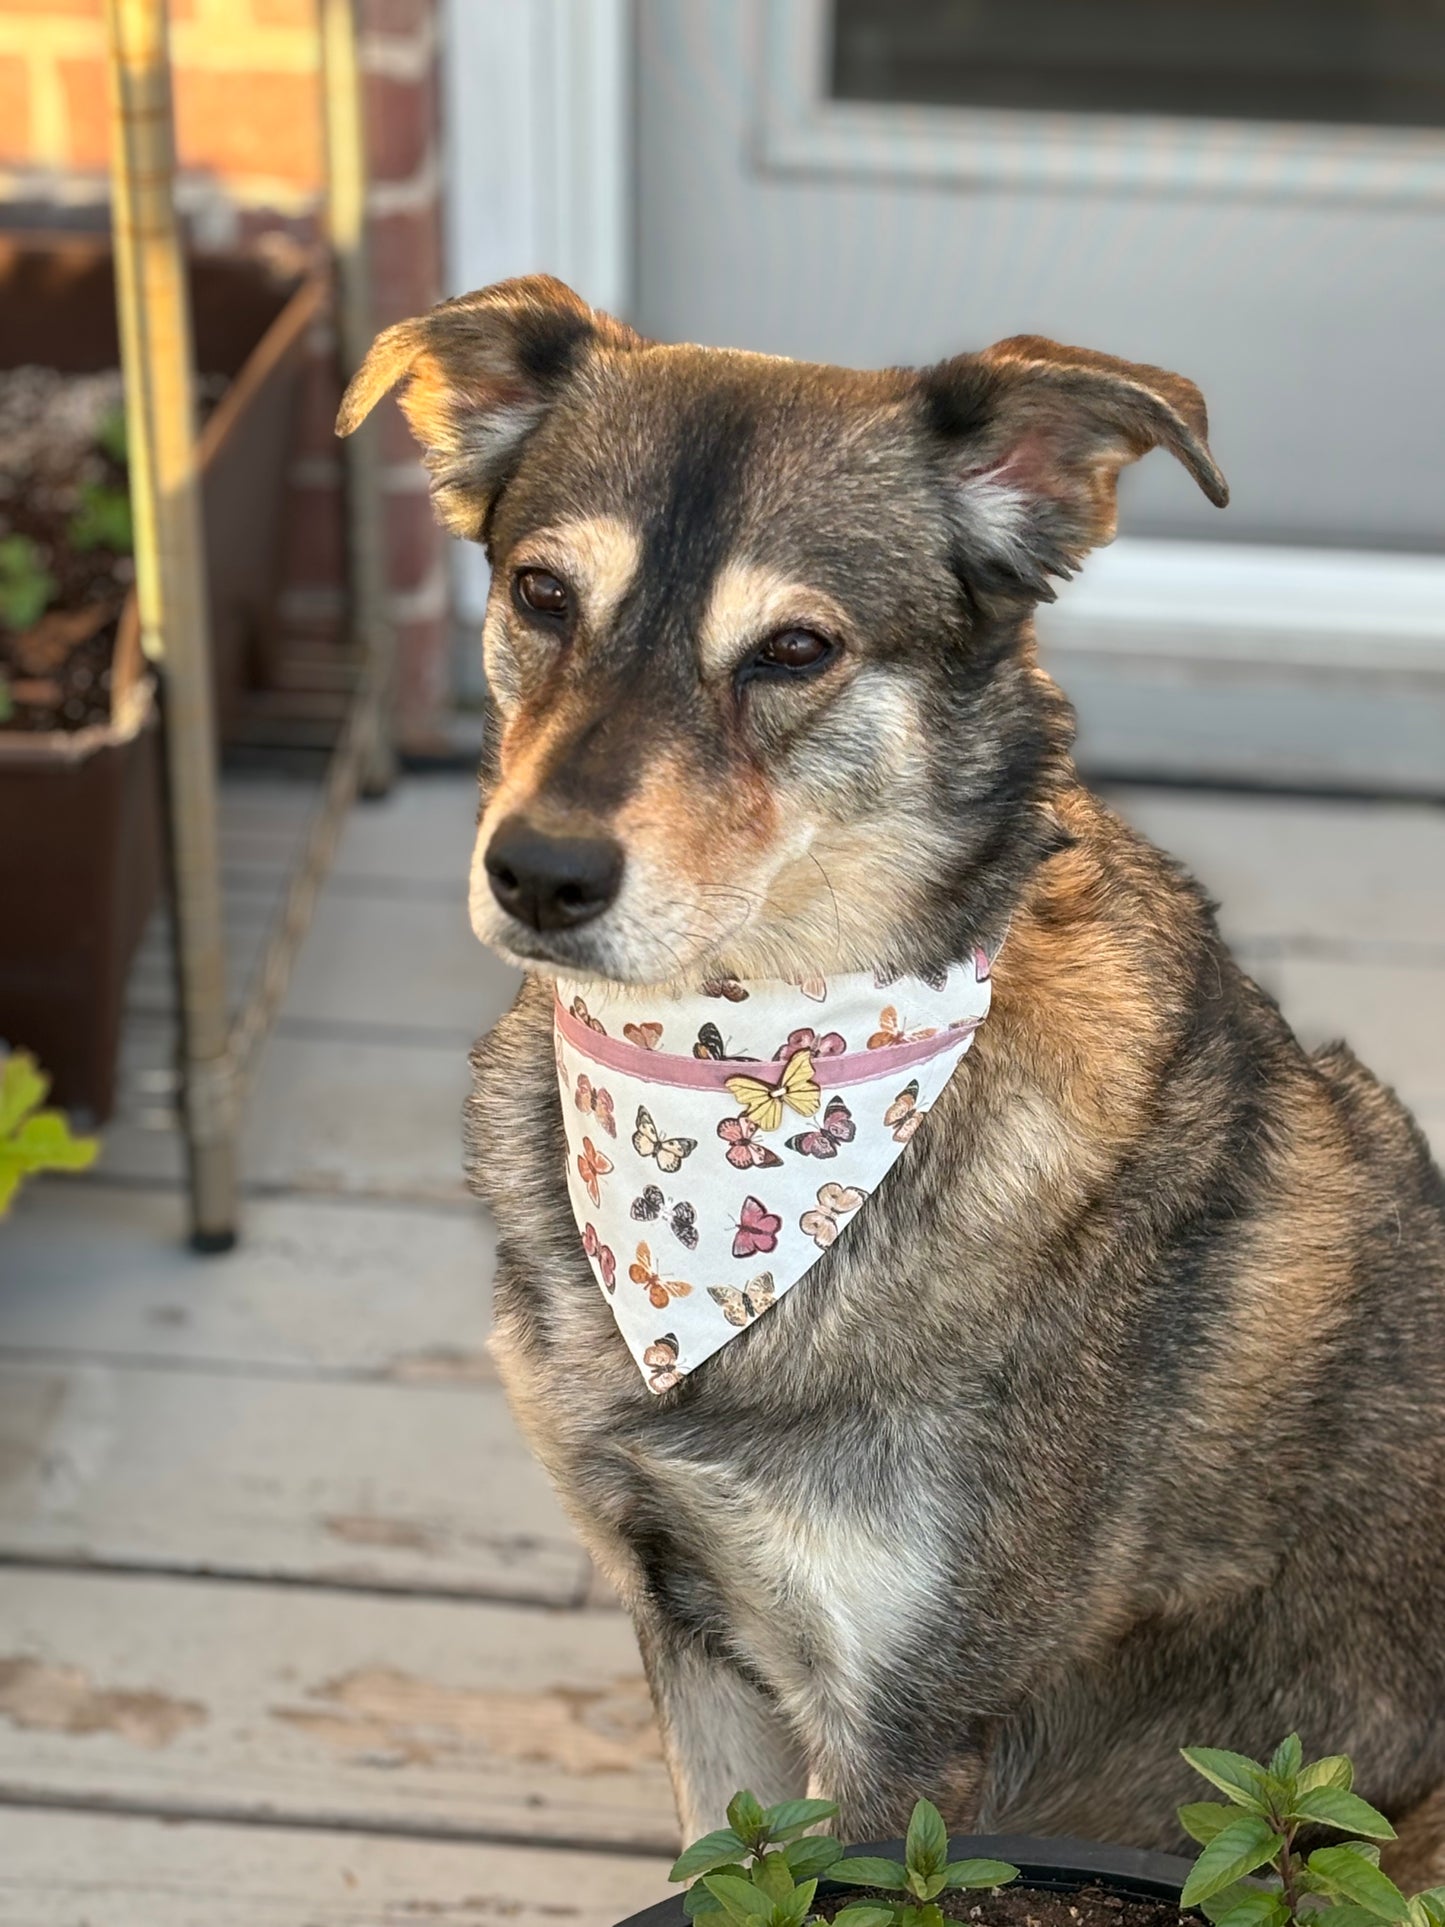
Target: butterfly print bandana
719, 1140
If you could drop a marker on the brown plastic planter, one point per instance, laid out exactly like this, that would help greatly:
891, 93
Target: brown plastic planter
80, 844
80, 860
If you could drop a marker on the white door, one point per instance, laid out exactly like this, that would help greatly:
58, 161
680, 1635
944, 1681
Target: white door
1250, 191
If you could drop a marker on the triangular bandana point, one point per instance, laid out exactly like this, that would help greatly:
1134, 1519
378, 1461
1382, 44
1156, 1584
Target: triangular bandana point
720, 1140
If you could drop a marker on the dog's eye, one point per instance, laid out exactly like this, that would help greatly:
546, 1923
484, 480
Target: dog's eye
792, 652
542, 593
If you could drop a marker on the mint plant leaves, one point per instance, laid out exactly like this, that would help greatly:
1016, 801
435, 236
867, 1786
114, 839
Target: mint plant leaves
1250, 1874
762, 1869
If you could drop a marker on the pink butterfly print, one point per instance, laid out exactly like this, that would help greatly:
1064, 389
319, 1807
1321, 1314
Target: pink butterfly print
982, 965
757, 1230
837, 1127
830, 1044
903, 1115
744, 1150
813, 986
600, 1256
660, 1358
596, 1102
835, 1202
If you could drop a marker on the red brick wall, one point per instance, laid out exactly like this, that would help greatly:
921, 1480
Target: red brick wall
249, 135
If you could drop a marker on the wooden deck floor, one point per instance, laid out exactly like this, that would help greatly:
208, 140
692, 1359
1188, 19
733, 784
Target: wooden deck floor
292, 1632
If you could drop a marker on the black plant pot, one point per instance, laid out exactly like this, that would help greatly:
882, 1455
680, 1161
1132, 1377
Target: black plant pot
1059, 1865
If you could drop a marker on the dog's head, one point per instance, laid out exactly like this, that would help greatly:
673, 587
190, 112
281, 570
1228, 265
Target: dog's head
759, 635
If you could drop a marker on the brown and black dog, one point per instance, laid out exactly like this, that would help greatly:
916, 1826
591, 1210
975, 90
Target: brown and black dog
1117, 1421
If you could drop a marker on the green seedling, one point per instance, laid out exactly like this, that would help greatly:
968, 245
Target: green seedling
110, 436
26, 585
102, 521
1251, 1873
926, 1872
762, 1869
32, 1139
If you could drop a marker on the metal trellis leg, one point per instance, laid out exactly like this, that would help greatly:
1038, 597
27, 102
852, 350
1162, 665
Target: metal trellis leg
155, 336
371, 626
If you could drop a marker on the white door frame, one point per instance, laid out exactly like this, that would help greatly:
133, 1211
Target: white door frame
537, 105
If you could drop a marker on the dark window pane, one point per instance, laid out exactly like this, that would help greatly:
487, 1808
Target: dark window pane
1370, 62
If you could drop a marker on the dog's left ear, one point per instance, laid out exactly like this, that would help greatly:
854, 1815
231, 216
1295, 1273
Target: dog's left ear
480, 373
1033, 437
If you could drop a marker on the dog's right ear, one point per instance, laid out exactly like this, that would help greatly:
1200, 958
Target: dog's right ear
480, 373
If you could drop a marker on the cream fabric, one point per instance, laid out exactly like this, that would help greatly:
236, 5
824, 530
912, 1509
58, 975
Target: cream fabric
719, 1140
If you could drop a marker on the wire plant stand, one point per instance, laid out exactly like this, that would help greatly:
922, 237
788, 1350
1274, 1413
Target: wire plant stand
219, 1050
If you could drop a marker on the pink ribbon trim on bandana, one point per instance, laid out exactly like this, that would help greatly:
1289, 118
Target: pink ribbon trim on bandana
712, 1074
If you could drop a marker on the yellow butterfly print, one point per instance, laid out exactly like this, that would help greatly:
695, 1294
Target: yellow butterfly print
741, 1306
648, 1142
763, 1103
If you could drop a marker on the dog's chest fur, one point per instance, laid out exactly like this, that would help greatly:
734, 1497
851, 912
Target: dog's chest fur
806, 1502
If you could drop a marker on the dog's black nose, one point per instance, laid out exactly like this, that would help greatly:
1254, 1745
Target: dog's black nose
551, 882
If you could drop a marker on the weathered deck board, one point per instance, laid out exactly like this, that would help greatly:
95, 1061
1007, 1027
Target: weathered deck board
341, 1114
94, 1870
360, 1484
317, 1285
1338, 872
208, 1701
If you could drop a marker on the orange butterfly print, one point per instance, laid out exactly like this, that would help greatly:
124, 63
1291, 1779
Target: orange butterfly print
660, 1290
903, 1116
584, 1016
645, 1036
890, 1031
592, 1165
592, 1099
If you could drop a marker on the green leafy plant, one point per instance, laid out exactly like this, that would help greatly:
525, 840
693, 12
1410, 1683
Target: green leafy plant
7, 701
110, 437
103, 520
762, 1869
1252, 1832
26, 585
925, 1873
32, 1139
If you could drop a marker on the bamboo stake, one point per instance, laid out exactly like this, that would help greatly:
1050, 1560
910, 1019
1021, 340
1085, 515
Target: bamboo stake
155, 335
371, 626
